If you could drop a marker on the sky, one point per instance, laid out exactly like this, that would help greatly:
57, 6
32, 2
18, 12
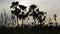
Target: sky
49, 6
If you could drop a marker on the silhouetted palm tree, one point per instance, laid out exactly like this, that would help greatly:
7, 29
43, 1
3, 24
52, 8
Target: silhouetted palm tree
5, 15
55, 16
17, 10
13, 18
22, 15
41, 17
1, 18
44, 20
50, 22
36, 14
33, 12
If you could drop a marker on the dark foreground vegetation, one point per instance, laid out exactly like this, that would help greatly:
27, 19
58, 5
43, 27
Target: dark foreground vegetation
30, 30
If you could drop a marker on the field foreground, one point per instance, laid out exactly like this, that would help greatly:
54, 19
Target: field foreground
32, 30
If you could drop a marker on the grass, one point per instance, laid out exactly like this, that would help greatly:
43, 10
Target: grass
32, 30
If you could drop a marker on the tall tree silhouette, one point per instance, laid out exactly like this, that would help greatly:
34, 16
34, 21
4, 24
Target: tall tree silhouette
41, 16
55, 16
50, 22
36, 14
22, 15
19, 12
13, 18
5, 15
1, 18
32, 12
16, 11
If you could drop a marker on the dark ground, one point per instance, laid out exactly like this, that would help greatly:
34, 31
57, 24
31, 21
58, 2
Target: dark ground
32, 30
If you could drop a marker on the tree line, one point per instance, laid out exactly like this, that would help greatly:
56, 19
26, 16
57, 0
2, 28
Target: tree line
19, 11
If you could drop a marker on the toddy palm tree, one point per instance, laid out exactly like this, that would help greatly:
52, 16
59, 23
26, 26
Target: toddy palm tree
55, 16
1, 18
41, 16
16, 11
13, 18
33, 12
19, 12
5, 15
22, 15
50, 22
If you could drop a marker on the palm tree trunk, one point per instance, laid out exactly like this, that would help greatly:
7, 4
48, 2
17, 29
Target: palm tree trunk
56, 23
5, 22
22, 22
17, 22
34, 22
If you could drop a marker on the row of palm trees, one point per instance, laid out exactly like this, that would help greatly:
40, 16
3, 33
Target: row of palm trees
19, 11
32, 11
51, 23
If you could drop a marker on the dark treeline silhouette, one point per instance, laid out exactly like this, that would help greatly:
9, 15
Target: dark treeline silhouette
20, 14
